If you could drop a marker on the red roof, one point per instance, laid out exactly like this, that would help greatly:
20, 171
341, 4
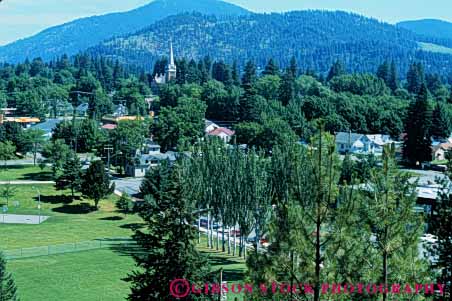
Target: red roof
109, 126
218, 131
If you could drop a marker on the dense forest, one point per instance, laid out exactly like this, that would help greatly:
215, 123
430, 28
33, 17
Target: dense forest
315, 38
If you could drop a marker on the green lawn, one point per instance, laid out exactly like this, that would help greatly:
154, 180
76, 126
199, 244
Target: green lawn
69, 221
85, 276
95, 275
24, 172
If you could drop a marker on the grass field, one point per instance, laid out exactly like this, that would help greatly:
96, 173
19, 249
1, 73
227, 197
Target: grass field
94, 275
25, 172
69, 221
87, 275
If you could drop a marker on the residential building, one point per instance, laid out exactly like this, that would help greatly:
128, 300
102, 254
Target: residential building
224, 134
362, 144
439, 151
210, 126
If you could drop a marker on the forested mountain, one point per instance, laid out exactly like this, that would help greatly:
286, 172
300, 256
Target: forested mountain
429, 27
315, 38
72, 37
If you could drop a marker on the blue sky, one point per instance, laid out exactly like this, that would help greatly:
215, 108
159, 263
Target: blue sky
22, 18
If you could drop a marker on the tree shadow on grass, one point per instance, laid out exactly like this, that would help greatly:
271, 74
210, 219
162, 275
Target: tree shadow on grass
82, 208
58, 199
41, 176
132, 226
124, 247
229, 273
111, 218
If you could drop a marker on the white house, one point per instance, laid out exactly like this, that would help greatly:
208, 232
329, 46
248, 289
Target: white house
224, 134
362, 144
210, 126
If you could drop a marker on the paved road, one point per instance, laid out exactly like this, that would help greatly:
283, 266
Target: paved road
25, 182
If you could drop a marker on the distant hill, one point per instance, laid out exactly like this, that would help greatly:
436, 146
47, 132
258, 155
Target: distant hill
72, 37
315, 38
429, 27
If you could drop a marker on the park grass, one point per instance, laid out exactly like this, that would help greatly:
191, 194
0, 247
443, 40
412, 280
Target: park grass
84, 276
25, 173
96, 274
69, 222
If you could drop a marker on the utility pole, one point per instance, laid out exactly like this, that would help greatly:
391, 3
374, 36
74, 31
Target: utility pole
108, 149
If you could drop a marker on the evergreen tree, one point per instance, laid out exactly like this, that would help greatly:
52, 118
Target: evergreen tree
450, 96
388, 211
287, 88
417, 144
168, 248
383, 71
8, 290
249, 75
347, 170
235, 74
293, 67
96, 183
393, 80
415, 78
442, 228
271, 68
440, 122
336, 70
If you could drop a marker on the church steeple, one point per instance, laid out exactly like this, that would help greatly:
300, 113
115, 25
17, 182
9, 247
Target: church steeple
171, 70
171, 53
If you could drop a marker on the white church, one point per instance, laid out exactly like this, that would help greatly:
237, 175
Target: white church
170, 70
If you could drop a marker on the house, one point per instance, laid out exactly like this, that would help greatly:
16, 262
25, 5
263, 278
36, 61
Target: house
210, 126
144, 162
362, 144
147, 157
224, 134
439, 151
82, 109
120, 111
47, 127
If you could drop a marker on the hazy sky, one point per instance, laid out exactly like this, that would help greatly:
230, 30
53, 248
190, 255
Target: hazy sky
22, 18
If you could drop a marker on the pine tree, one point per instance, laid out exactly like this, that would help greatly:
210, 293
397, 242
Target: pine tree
8, 290
287, 88
440, 129
336, 70
417, 145
235, 74
415, 78
388, 211
168, 249
347, 170
442, 228
393, 81
383, 71
450, 96
271, 68
249, 101
293, 67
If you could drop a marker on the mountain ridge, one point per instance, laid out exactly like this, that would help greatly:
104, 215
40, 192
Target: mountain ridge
80, 34
315, 37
